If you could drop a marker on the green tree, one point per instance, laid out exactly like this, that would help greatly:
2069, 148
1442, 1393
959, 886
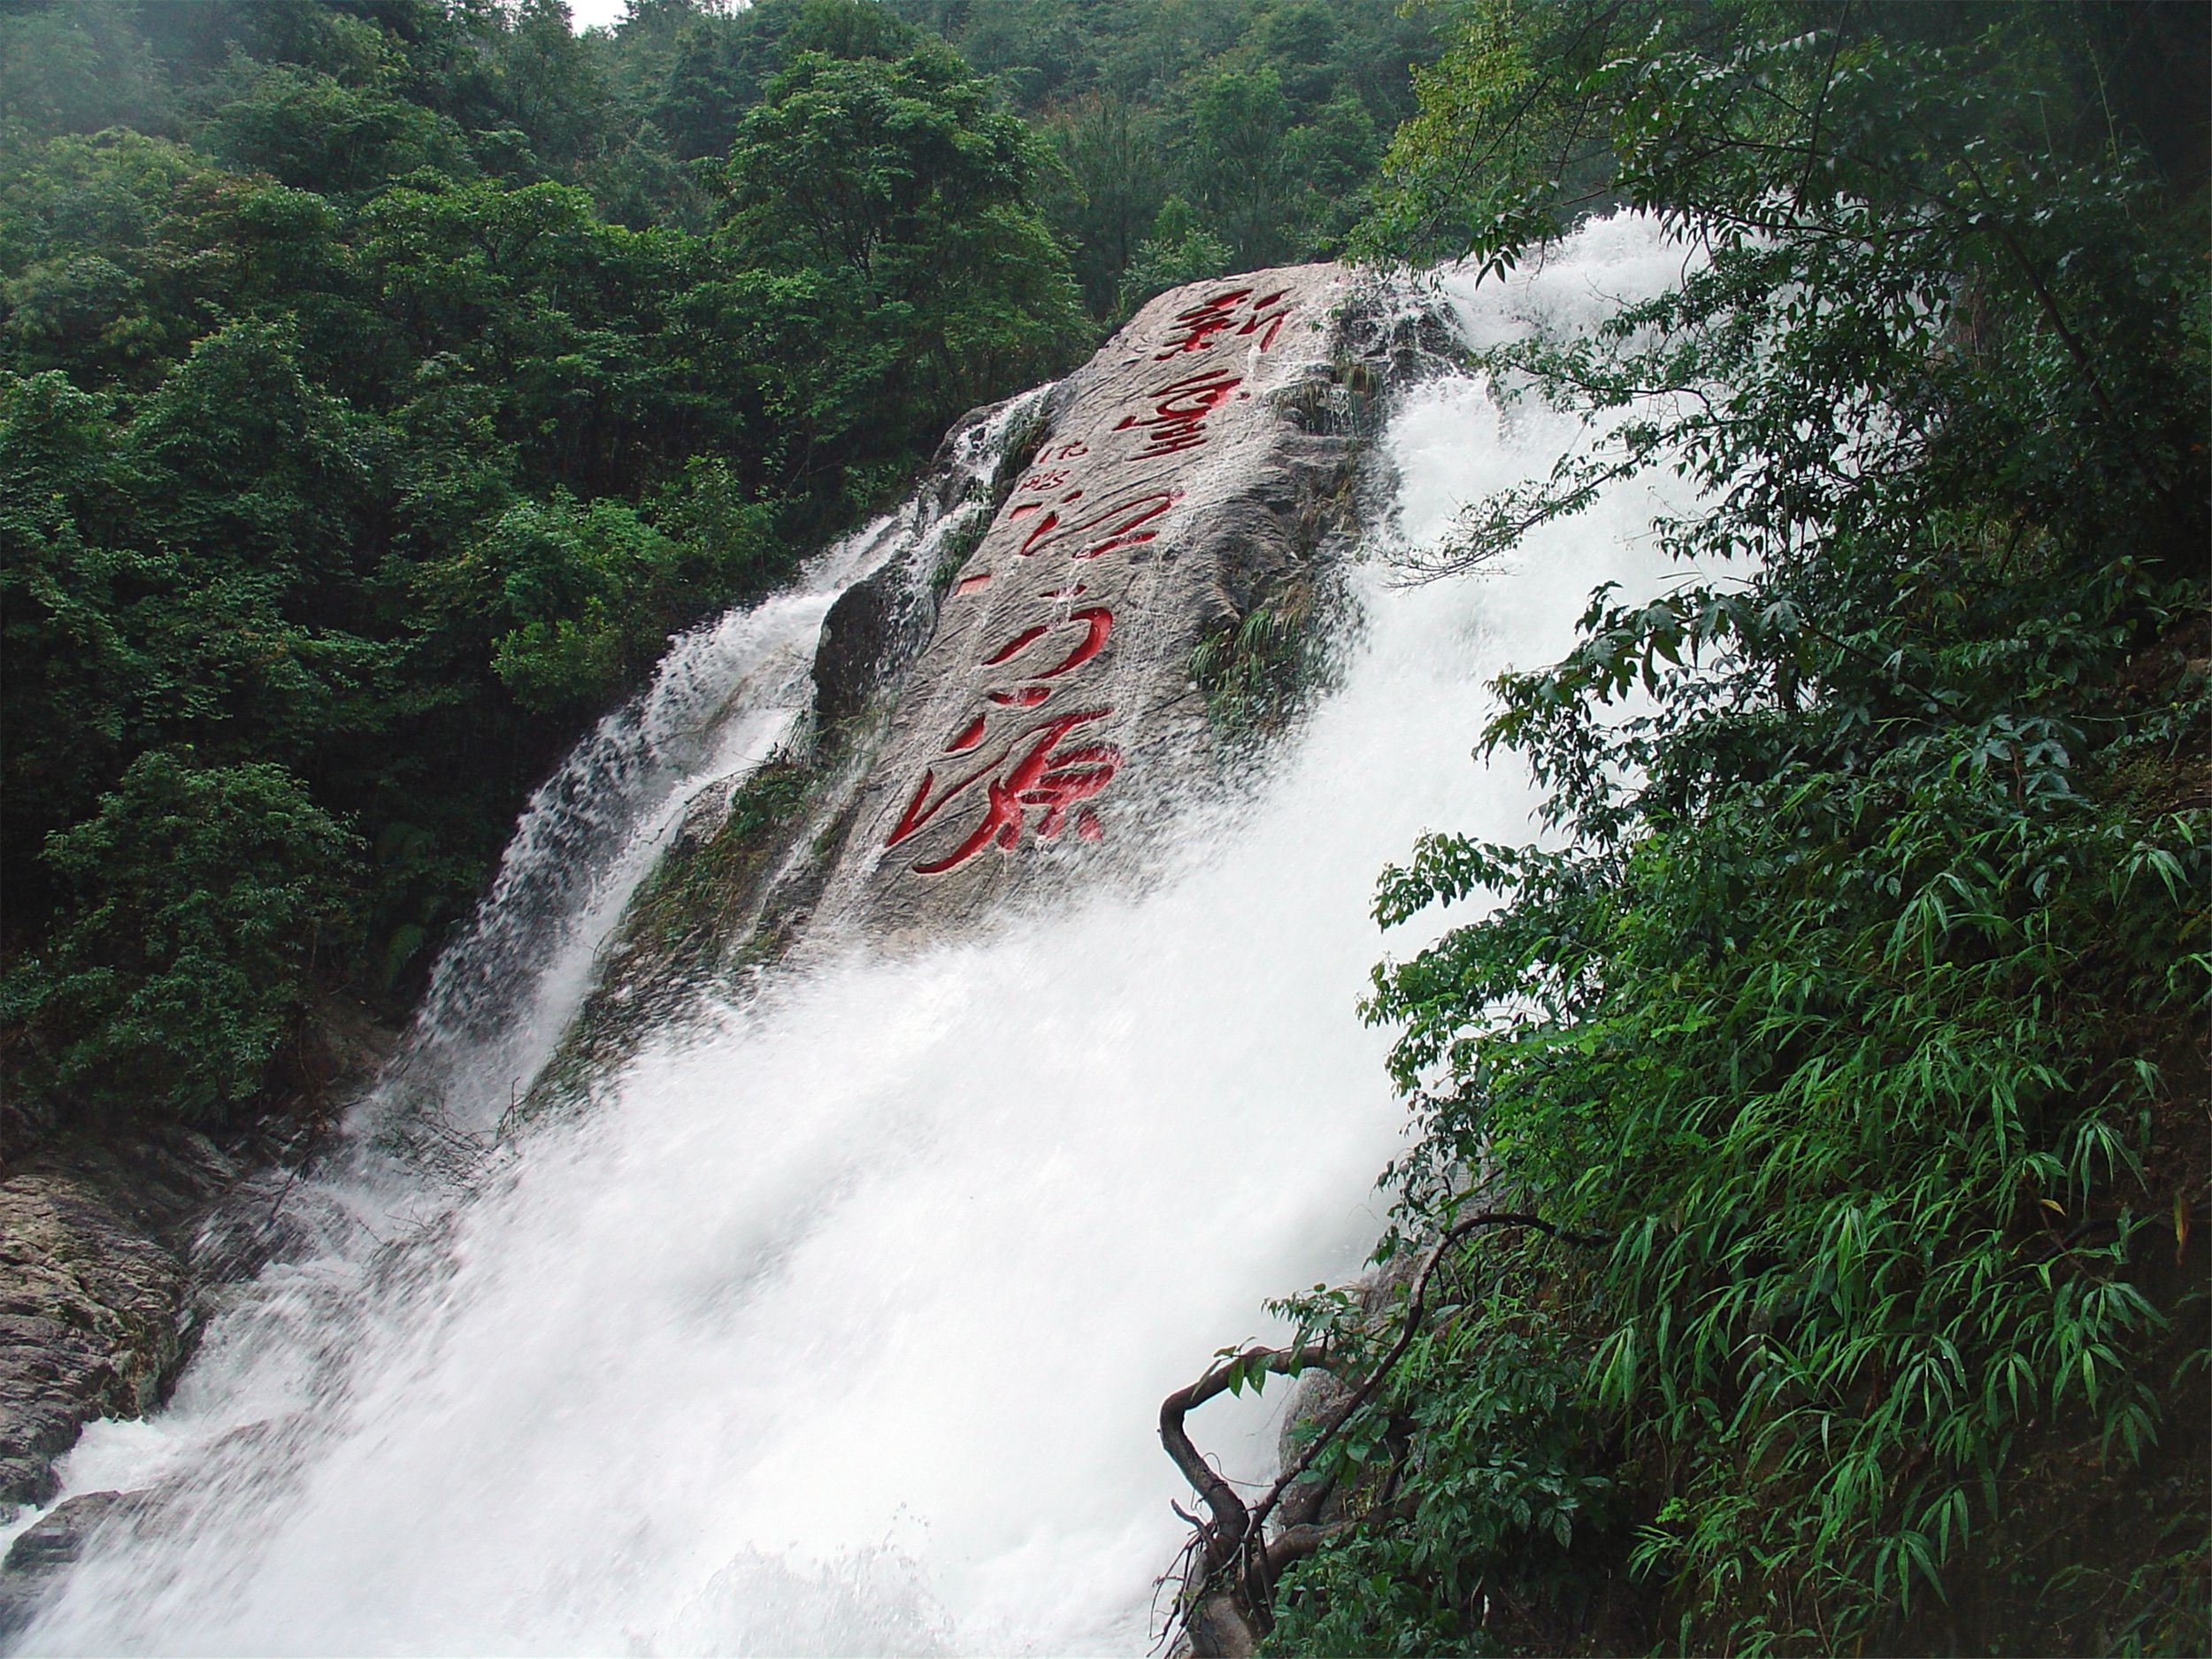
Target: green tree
121, 252
721, 65
551, 84
314, 133
886, 210
1111, 182
1299, 41
203, 897
1233, 161
1331, 157
72, 676
578, 599
1180, 250
77, 69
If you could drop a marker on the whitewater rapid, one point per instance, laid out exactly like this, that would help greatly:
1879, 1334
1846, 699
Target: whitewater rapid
842, 1325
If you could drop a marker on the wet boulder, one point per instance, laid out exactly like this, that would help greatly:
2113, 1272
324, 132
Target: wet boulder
1043, 736
90, 1323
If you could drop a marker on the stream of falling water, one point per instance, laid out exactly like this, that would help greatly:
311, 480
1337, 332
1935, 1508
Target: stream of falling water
721, 700
842, 1328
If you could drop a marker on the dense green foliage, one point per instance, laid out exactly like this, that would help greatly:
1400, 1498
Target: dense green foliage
382, 380
1196, 137
377, 392
1859, 1010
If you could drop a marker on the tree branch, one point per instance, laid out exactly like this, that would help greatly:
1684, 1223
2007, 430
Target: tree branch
1229, 1539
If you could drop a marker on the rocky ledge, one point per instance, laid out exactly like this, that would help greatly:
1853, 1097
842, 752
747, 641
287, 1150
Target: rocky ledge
114, 1234
95, 1234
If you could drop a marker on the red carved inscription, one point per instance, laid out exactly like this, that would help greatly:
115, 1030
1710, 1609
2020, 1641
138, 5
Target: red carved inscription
1104, 530
1096, 621
1235, 308
1039, 780
1179, 412
1038, 775
1020, 643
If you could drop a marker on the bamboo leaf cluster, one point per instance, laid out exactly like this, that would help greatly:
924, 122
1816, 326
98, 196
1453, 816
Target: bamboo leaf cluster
1862, 1003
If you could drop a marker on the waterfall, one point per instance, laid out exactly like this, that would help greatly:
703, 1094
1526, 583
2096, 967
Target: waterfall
725, 697
842, 1324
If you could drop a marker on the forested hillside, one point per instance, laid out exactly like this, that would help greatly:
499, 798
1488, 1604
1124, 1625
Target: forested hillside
382, 381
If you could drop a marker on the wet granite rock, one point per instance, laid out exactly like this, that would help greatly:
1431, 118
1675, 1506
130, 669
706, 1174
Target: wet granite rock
120, 1233
91, 1321
858, 636
879, 624
1045, 733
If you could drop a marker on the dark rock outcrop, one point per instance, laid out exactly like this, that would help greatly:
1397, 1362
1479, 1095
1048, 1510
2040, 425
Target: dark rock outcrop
878, 625
92, 1304
114, 1232
856, 636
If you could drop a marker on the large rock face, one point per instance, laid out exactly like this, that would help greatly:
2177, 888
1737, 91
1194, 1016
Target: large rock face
1052, 716
1012, 710
88, 1310
96, 1240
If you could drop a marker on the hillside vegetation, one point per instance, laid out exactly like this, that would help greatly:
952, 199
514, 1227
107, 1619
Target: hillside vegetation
382, 381
1809, 1154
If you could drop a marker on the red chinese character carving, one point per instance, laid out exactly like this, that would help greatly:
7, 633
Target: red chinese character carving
1040, 534
1097, 621
1022, 507
1040, 480
1204, 321
1041, 776
1268, 312
1020, 642
1068, 452
1179, 412
1105, 530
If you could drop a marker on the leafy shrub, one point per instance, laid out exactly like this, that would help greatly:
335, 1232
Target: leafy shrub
202, 898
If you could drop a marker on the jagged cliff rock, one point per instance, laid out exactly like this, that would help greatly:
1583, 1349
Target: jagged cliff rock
112, 1236
94, 1233
88, 1323
46, 1549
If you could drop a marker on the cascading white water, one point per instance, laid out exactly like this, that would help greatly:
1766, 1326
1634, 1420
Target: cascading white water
725, 697
841, 1326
